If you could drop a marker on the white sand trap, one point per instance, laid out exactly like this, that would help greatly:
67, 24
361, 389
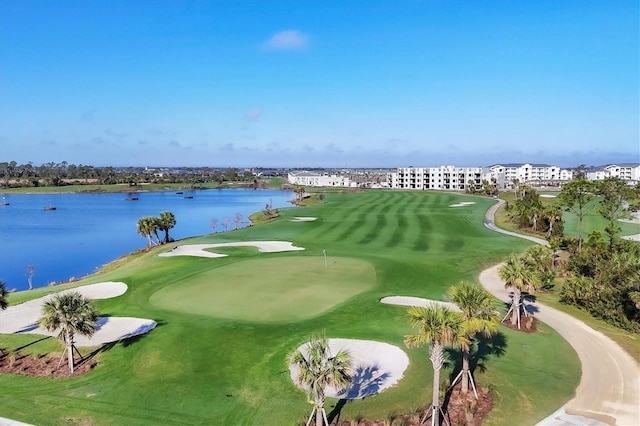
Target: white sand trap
108, 329
199, 249
23, 318
547, 196
635, 237
377, 366
303, 219
418, 301
463, 204
104, 290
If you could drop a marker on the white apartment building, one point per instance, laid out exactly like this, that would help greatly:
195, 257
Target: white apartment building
305, 178
457, 178
527, 173
566, 175
443, 177
629, 172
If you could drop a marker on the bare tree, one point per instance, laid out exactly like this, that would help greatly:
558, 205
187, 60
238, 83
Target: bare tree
31, 270
213, 223
238, 219
226, 223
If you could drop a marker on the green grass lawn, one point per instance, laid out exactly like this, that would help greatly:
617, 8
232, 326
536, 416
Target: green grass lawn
269, 290
227, 365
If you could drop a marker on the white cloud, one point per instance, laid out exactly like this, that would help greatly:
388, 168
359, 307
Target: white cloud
287, 40
253, 114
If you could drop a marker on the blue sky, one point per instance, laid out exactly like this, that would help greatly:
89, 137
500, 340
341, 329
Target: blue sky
319, 83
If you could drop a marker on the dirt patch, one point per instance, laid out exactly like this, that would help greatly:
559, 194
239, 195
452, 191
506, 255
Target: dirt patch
527, 324
42, 366
459, 409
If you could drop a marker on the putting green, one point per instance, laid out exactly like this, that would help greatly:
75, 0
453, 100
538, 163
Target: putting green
269, 290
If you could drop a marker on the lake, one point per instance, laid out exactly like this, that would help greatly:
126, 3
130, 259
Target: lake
89, 230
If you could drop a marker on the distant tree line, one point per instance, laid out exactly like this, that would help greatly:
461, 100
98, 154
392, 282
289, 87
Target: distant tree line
14, 175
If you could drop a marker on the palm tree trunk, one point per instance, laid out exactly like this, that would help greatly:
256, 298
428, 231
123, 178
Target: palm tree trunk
69, 340
465, 371
319, 419
437, 360
516, 306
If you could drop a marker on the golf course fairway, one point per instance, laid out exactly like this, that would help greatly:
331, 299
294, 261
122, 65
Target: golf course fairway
225, 326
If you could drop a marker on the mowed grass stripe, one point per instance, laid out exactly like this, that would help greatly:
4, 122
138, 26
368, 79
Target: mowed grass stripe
379, 228
337, 215
401, 226
422, 240
357, 222
398, 224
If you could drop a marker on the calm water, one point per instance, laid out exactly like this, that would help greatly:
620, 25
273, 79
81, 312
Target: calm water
87, 231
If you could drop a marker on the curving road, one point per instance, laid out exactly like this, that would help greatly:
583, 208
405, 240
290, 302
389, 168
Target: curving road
609, 389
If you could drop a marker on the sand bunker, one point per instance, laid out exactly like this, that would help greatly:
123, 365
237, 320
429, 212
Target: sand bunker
303, 219
23, 318
418, 301
104, 290
463, 204
377, 366
635, 237
199, 249
547, 196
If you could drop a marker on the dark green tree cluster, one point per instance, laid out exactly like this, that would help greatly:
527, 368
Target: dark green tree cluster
606, 281
605, 271
14, 175
529, 213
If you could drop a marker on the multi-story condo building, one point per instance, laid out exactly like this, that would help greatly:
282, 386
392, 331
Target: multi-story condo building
526, 173
458, 178
443, 177
629, 172
305, 178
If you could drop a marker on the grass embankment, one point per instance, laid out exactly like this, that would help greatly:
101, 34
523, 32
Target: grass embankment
218, 367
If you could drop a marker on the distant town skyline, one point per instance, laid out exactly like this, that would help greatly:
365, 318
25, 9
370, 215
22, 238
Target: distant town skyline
332, 84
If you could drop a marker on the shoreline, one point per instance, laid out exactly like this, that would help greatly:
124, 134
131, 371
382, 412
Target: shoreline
131, 243
53, 190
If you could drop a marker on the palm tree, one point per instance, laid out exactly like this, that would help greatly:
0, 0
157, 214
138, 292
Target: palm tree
540, 259
553, 214
317, 369
439, 327
519, 276
148, 227
3, 296
71, 314
479, 315
145, 228
166, 221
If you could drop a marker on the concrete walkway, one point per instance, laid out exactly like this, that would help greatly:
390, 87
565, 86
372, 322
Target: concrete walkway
609, 389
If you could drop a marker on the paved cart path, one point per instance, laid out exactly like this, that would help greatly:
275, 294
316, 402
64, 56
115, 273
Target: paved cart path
609, 389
